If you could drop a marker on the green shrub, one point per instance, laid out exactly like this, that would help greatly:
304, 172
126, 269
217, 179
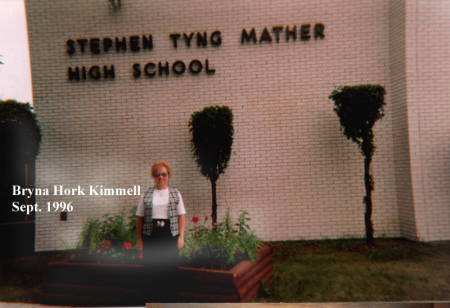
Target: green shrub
358, 108
110, 238
89, 238
219, 246
212, 137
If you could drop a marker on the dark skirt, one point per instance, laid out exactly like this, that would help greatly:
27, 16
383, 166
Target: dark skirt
160, 264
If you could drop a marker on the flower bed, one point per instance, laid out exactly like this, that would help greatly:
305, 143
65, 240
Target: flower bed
219, 246
71, 283
220, 264
109, 241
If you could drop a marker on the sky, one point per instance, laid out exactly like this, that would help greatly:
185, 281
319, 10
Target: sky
15, 74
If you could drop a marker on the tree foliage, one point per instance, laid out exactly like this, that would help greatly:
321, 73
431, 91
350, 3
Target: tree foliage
20, 133
358, 108
212, 137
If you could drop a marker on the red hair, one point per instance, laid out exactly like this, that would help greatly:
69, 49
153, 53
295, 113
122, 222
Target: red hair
160, 163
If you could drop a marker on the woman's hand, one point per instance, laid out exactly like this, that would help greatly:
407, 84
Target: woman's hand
180, 242
139, 226
181, 226
139, 245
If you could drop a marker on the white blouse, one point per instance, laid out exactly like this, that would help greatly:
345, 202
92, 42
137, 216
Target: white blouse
160, 204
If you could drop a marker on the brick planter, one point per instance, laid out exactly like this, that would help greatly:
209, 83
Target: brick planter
239, 284
92, 284
119, 284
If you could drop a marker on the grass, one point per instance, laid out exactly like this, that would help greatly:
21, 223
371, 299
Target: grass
304, 271
21, 278
349, 270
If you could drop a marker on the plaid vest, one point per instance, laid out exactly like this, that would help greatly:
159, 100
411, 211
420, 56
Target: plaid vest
173, 211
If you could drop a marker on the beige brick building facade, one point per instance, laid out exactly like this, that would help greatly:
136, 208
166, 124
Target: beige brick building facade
291, 167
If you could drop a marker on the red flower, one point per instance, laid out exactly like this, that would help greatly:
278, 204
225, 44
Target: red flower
107, 244
206, 217
140, 256
195, 219
127, 245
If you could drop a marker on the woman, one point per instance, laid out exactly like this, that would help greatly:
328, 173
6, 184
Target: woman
160, 234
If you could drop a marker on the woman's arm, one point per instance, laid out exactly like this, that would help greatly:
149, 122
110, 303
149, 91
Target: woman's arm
181, 226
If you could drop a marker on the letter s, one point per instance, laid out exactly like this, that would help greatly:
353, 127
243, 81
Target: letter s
15, 206
71, 47
137, 70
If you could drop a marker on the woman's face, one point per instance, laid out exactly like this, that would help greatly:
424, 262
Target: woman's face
161, 177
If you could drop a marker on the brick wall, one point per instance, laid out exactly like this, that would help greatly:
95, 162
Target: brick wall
291, 167
428, 79
400, 120
420, 79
